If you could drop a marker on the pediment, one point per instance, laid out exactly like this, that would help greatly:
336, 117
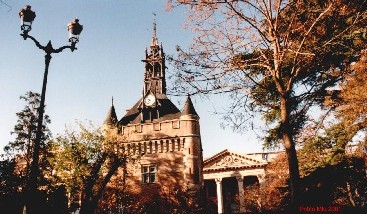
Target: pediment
227, 159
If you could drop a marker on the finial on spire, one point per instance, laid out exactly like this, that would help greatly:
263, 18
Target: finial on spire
154, 39
155, 25
111, 118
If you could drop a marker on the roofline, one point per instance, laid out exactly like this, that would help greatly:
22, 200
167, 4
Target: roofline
216, 156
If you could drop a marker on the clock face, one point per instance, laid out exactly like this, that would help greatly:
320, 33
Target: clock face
149, 100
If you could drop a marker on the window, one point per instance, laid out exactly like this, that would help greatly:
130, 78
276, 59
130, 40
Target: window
138, 128
156, 126
148, 173
176, 124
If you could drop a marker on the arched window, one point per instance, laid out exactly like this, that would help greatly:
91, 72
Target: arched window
145, 148
167, 145
162, 147
178, 145
150, 147
128, 148
172, 145
122, 148
133, 149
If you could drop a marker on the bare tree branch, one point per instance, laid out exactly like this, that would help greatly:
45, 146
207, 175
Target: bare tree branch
4, 3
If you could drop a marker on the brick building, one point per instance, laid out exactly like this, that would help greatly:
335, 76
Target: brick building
167, 138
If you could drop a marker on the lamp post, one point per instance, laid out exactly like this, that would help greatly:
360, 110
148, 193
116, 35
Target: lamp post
27, 17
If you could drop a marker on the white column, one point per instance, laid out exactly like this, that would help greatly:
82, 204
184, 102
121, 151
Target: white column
261, 178
218, 181
241, 194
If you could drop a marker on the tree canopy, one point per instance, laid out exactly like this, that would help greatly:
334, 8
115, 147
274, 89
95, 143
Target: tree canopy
25, 129
84, 161
19, 153
351, 107
274, 58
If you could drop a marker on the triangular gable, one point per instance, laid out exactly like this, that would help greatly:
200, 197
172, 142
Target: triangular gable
228, 159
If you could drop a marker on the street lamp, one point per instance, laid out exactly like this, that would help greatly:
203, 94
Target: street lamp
27, 17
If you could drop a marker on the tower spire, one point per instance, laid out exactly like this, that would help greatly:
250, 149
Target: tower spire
154, 39
155, 26
111, 118
155, 74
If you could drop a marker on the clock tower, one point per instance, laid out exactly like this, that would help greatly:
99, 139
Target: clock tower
166, 138
154, 80
155, 69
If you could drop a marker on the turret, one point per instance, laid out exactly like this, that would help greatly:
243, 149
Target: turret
189, 109
111, 118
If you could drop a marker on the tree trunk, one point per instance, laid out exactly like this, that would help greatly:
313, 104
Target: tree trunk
90, 199
112, 169
89, 184
350, 196
290, 149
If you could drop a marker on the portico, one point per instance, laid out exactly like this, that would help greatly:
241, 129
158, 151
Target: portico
226, 174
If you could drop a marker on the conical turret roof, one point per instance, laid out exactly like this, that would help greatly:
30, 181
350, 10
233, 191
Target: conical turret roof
189, 109
111, 118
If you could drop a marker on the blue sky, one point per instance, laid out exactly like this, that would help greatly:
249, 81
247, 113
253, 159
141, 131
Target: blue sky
107, 63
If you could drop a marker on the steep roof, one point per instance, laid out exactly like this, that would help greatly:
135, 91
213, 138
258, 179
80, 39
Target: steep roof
189, 109
167, 111
111, 118
155, 84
